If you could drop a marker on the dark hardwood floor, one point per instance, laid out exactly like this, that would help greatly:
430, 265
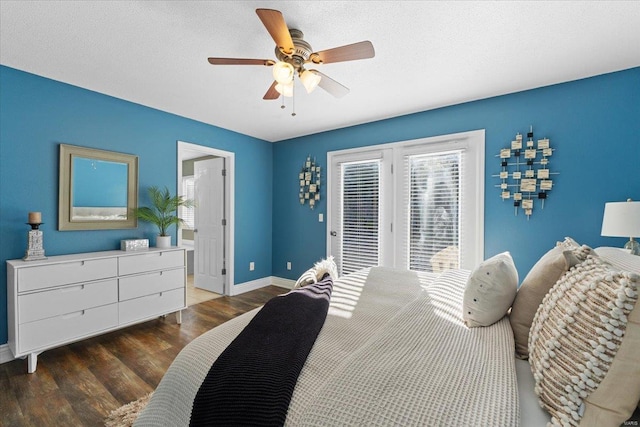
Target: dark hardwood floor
80, 383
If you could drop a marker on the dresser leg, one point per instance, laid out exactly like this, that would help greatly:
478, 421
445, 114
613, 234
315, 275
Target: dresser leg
32, 361
179, 317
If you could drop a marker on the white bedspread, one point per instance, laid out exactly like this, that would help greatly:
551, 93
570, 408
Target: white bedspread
393, 351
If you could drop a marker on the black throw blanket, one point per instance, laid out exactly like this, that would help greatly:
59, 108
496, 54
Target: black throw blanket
252, 381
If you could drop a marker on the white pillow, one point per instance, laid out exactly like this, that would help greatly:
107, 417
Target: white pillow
490, 291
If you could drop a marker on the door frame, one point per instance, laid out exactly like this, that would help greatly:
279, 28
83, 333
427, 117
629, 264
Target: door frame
186, 151
473, 141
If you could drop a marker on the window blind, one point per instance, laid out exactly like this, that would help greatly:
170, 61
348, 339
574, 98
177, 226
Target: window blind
359, 212
432, 194
188, 192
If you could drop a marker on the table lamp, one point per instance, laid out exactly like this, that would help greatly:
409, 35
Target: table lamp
622, 219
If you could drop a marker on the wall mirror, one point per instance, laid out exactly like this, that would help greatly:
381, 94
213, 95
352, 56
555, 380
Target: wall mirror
98, 189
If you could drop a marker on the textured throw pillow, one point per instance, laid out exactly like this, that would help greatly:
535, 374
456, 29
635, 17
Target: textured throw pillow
584, 345
317, 272
490, 291
544, 274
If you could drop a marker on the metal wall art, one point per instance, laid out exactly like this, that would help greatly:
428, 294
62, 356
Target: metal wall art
524, 174
309, 177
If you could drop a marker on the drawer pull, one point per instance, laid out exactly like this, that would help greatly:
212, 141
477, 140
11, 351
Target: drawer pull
72, 315
73, 288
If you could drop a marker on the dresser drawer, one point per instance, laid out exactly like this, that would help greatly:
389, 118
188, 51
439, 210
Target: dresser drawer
45, 276
67, 299
151, 305
141, 263
61, 329
150, 283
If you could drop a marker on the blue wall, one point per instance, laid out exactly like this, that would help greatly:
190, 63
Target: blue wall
37, 114
594, 124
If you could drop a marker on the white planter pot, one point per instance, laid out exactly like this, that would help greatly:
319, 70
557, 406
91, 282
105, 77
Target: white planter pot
163, 241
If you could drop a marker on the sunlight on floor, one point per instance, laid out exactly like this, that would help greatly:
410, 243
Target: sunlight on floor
197, 295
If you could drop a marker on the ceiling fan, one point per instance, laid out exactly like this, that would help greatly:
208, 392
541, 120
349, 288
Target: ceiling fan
293, 53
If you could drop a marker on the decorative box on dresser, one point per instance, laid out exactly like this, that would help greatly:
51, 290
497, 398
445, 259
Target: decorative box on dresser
67, 298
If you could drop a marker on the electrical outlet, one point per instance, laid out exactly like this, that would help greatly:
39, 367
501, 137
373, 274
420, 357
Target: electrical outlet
252, 266
320, 217
288, 265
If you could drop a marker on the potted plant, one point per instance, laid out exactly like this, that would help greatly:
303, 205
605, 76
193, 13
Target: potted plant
163, 213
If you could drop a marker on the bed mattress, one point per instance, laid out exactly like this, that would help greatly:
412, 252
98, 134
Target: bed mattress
393, 351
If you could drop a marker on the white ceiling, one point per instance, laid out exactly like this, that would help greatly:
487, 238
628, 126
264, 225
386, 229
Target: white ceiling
429, 54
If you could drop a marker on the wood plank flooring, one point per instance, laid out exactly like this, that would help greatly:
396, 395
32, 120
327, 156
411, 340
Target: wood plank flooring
80, 383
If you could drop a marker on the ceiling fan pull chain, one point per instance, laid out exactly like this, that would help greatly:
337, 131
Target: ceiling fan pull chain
293, 100
282, 106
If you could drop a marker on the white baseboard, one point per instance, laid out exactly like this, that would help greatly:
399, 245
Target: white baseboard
282, 282
252, 285
5, 354
261, 283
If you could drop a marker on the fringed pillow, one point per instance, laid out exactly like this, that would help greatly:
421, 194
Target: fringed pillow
317, 272
584, 344
542, 276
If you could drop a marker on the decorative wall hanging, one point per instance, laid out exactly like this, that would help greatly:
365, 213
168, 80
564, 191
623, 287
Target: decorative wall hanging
524, 174
309, 182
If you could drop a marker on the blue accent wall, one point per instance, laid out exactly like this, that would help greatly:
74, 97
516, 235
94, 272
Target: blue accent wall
37, 114
594, 125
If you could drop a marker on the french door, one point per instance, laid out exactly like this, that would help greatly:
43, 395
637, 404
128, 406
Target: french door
416, 204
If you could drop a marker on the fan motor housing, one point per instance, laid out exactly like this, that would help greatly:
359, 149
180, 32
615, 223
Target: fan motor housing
301, 53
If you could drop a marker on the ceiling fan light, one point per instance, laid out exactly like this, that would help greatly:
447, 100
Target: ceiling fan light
310, 80
283, 72
285, 89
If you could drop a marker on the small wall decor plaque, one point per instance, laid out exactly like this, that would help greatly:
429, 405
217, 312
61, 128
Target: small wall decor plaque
309, 178
524, 172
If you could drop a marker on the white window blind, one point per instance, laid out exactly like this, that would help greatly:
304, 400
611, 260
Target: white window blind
188, 192
427, 215
359, 212
433, 194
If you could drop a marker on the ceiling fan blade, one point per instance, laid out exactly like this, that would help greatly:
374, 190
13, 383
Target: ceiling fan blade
272, 93
277, 27
333, 87
350, 52
240, 61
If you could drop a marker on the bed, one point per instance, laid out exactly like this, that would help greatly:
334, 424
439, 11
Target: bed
394, 350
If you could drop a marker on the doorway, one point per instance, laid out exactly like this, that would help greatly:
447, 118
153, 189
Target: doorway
210, 238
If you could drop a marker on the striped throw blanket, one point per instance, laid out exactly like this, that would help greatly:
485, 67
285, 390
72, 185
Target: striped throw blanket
252, 381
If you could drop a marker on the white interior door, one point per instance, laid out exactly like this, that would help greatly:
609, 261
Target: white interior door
208, 260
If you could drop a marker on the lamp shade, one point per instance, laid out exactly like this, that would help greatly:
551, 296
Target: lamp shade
621, 219
283, 72
310, 80
285, 89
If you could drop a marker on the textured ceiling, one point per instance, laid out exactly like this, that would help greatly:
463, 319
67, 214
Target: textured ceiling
428, 54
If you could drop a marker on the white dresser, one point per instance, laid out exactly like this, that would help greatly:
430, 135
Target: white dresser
67, 298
